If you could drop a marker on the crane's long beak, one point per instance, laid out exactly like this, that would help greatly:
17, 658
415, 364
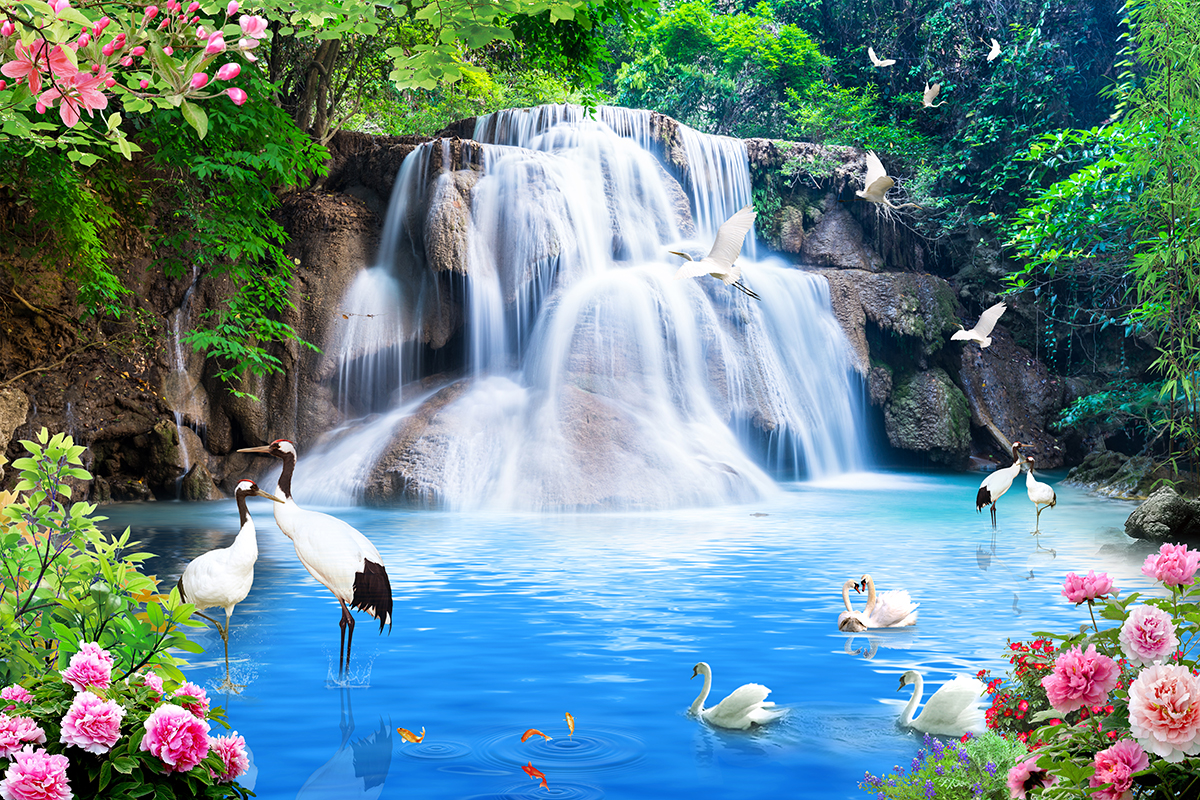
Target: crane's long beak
264, 449
269, 496
685, 257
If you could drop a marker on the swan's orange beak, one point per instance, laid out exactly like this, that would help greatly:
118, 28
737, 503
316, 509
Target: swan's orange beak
695, 672
858, 588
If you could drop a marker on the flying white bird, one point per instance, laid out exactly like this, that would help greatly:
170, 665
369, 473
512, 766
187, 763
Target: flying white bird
877, 183
930, 94
334, 552
982, 332
876, 61
994, 53
719, 263
744, 706
222, 578
1040, 494
995, 485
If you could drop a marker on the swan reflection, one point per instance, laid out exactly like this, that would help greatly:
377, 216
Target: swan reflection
358, 767
899, 638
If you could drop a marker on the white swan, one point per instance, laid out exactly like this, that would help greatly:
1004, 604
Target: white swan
741, 709
850, 620
890, 609
951, 711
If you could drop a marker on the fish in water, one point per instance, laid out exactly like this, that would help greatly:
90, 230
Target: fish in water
570, 723
533, 732
535, 773
409, 736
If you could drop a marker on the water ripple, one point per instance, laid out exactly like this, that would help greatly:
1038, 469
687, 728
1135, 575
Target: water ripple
438, 750
591, 750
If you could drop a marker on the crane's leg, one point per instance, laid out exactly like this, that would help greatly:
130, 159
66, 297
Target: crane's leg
1037, 524
745, 289
993, 516
347, 621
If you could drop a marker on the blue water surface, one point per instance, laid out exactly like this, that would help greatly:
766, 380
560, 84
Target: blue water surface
504, 623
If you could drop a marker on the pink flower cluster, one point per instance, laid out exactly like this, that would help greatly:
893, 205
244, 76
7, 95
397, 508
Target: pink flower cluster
1148, 635
16, 694
17, 732
1115, 768
1174, 565
148, 679
1028, 775
36, 775
179, 739
193, 698
91, 666
1164, 711
1079, 590
92, 723
232, 750
1080, 678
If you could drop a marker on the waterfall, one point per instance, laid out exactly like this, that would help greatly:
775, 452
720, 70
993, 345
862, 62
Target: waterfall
594, 379
183, 392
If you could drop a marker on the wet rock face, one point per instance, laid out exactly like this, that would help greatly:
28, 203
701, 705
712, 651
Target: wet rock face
14, 409
1166, 517
1113, 474
1013, 393
837, 241
928, 414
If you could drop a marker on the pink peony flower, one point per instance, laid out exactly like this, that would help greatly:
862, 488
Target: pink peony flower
1115, 768
1028, 775
17, 732
232, 749
228, 72
177, 737
92, 723
151, 680
36, 775
1174, 565
92, 665
1079, 590
17, 694
198, 80
253, 26
1148, 635
1164, 711
238, 96
193, 698
1080, 678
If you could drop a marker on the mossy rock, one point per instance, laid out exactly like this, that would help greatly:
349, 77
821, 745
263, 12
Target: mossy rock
928, 414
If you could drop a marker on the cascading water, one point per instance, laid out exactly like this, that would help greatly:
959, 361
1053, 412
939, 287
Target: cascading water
594, 379
181, 389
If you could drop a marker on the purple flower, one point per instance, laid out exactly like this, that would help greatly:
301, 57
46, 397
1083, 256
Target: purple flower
930, 792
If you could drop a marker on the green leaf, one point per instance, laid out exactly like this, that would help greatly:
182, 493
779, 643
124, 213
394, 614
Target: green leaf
195, 117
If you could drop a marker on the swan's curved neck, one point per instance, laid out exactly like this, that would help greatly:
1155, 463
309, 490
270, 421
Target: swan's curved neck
846, 596
698, 703
906, 716
870, 593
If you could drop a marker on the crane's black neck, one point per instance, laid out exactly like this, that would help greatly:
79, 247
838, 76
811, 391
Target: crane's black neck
285, 477
243, 512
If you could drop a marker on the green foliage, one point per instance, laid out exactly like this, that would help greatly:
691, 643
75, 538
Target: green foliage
223, 225
970, 769
726, 73
1124, 405
70, 217
63, 582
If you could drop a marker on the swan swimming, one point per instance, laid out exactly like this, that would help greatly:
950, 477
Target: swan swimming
850, 620
890, 609
951, 711
741, 709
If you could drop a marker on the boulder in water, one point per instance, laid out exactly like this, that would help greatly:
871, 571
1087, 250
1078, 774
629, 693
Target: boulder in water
928, 414
1165, 517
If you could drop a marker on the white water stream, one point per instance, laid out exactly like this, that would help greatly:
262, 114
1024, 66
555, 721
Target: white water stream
596, 379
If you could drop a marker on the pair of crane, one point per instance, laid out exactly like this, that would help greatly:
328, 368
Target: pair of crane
333, 551
997, 483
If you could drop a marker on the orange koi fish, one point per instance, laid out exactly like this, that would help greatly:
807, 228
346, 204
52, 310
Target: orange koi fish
409, 736
570, 723
533, 732
535, 773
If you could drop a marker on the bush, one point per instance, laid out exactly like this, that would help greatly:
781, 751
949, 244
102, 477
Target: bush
972, 767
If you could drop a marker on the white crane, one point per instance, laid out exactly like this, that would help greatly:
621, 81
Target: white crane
930, 94
877, 183
222, 578
994, 52
994, 486
719, 263
1040, 494
982, 332
878, 62
334, 552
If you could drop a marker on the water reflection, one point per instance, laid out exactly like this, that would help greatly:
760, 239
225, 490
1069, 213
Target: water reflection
897, 638
358, 767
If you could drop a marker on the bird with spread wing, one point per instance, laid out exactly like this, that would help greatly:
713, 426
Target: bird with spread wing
719, 263
877, 183
982, 332
930, 94
876, 61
